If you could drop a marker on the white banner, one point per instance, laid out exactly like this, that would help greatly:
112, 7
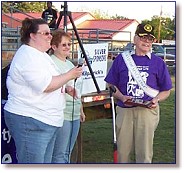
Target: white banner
97, 56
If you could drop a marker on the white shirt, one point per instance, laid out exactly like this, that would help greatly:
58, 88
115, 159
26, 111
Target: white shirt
30, 73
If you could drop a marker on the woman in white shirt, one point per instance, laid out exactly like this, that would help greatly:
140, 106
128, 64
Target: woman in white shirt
34, 109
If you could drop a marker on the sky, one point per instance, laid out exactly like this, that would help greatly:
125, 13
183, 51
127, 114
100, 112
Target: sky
139, 10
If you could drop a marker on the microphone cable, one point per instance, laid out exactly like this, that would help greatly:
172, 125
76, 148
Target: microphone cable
72, 120
80, 64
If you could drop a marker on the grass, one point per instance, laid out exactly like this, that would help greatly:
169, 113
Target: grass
164, 143
97, 141
97, 137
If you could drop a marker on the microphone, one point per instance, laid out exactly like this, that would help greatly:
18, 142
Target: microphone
80, 64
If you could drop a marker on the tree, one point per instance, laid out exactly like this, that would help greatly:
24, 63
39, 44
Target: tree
102, 15
99, 15
167, 29
22, 6
118, 17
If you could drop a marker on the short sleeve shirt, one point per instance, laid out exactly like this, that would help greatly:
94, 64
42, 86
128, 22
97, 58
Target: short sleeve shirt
153, 71
72, 105
30, 73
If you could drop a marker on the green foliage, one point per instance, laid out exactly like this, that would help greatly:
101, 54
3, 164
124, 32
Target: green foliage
99, 15
118, 17
167, 30
26, 7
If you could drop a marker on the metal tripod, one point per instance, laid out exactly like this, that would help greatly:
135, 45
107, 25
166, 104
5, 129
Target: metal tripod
66, 13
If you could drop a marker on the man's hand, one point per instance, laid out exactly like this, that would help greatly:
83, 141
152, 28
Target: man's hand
154, 103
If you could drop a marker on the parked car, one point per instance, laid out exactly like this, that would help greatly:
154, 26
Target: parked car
129, 46
170, 49
166, 52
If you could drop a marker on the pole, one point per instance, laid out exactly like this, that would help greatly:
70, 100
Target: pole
115, 154
84, 54
159, 29
65, 16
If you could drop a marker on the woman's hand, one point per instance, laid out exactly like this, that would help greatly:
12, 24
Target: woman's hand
71, 91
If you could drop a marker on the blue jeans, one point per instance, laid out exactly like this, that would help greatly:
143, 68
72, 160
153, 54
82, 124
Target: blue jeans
65, 141
34, 140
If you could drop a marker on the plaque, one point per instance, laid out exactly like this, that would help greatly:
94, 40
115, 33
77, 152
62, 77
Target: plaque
138, 102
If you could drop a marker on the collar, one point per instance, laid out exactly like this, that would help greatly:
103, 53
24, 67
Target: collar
148, 54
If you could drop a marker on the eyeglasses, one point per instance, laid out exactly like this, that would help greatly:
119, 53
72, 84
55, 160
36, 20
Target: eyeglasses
44, 33
65, 45
146, 38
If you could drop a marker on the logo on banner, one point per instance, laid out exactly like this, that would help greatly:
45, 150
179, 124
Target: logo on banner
97, 57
